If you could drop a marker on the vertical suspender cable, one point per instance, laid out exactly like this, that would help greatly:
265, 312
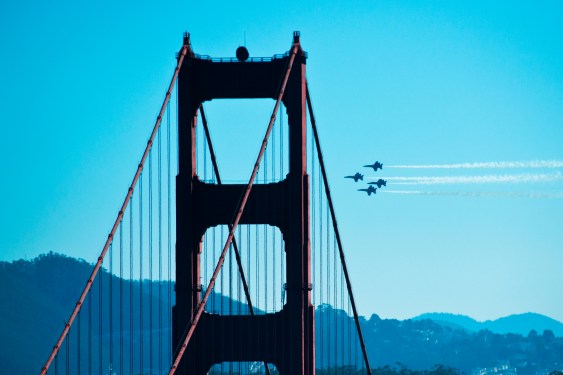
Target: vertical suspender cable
121, 299
265, 246
328, 295
249, 273
257, 268
321, 273
160, 252
221, 308
282, 255
231, 297
118, 219
239, 298
131, 282
274, 178
111, 305
169, 232
67, 353
342, 320
313, 231
150, 265
349, 335
100, 325
90, 333
78, 338
141, 333
214, 247
274, 289
335, 309
238, 215
257, 272
339, 242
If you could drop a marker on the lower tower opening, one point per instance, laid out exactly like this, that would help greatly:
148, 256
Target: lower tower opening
262, 254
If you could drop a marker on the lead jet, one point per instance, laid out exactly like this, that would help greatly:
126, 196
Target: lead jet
381, 182
356, 177
369, 190
377, 165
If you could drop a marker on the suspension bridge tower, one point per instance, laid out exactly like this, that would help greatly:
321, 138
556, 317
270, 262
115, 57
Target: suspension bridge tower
285, 338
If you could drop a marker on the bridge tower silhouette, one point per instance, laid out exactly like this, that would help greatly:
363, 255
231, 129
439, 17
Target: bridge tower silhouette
285, 338
120, 326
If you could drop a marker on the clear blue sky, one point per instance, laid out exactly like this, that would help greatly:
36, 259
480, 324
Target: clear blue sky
409, 83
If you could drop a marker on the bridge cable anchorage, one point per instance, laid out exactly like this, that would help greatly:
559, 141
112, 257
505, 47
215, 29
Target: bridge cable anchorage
337, 233
234, 242
98, 264
240, 210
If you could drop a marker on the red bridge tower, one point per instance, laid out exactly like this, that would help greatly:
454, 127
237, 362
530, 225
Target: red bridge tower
285, 338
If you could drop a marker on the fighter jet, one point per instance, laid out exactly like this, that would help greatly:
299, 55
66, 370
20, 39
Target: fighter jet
377, 165
356, 177
369, 190
381, 182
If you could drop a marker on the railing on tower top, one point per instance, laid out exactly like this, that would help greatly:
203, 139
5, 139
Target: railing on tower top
278, 56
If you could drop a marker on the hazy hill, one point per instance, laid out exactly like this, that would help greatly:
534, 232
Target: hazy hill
37, 296
517, 323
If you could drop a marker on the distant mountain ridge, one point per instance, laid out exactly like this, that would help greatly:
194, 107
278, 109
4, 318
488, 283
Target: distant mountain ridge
37, 296
517, 323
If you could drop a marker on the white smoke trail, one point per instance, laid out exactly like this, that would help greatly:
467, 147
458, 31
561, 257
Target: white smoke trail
475, 194
492, 164
482, 179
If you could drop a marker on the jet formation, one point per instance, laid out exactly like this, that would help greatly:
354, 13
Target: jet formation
371, 189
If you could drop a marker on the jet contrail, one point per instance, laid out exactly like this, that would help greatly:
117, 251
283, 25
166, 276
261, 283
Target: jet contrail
492, 164
482, 179
475, 194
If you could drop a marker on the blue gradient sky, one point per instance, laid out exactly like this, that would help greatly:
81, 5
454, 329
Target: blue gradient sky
417, 83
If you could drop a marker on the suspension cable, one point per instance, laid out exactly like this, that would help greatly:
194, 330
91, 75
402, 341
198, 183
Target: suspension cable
121, 297
337, 233
100, 322
141, 331
89, 333
67, 353
119, 216
131, 239
168, 229
238, 215
111, 305
160, 251
78, 339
